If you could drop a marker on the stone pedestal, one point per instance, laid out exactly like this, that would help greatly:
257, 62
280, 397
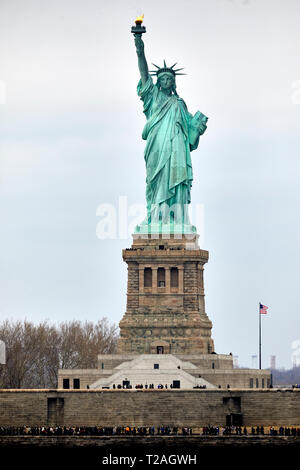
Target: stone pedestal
165, 297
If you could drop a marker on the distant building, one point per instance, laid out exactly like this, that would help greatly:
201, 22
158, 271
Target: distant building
235, 361
254, 361
295, 363
273, 362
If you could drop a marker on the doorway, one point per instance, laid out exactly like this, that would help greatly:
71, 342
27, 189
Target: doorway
176, 384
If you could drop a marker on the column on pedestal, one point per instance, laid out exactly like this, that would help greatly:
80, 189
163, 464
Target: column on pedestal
180, 279
133, 286
201, 289
154, 279
190, 286
141, 278
168, 279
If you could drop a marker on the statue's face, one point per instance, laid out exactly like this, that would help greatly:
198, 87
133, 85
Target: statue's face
166, 81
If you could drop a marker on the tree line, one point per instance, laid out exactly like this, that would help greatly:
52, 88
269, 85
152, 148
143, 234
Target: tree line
35, 352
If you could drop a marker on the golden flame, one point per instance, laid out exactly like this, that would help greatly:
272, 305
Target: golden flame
139, 19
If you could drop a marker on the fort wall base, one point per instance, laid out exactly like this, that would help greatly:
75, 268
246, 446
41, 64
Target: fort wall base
194, 408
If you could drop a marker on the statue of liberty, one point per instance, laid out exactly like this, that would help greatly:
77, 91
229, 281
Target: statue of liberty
171, 133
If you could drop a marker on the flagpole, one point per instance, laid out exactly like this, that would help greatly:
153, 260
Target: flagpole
259, 335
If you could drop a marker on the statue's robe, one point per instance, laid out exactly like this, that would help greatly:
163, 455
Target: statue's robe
167, 153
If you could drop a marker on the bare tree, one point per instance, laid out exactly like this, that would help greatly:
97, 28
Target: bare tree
34, 353
80, 343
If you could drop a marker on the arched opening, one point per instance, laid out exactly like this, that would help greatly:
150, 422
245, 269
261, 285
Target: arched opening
147, 277
160, 347
174, 277
161, 277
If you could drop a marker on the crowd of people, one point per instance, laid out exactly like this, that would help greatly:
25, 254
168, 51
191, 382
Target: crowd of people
254, 431
144, 431
285, 431
146, 386
92, 431
151, 386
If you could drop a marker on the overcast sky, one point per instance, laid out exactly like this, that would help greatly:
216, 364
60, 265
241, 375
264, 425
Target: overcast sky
70, 132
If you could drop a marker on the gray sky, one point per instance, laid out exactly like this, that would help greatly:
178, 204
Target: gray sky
71, 140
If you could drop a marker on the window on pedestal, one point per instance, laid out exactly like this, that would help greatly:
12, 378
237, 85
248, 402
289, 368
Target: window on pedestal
76, 383
147, 277
161, 277
174, 277
66, 383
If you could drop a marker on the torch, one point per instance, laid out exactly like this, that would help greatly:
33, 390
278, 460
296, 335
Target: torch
138, 29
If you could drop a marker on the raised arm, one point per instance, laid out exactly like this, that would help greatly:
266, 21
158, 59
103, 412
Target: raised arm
142, 63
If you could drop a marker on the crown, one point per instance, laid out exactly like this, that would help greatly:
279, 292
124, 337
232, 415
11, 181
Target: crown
166, 69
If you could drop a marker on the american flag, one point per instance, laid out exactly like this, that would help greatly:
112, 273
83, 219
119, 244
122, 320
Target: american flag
263, 309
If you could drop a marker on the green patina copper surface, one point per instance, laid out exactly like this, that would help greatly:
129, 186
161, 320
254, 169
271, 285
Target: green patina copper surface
171, 133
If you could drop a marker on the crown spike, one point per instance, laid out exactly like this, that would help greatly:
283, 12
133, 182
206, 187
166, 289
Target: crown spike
164, 69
